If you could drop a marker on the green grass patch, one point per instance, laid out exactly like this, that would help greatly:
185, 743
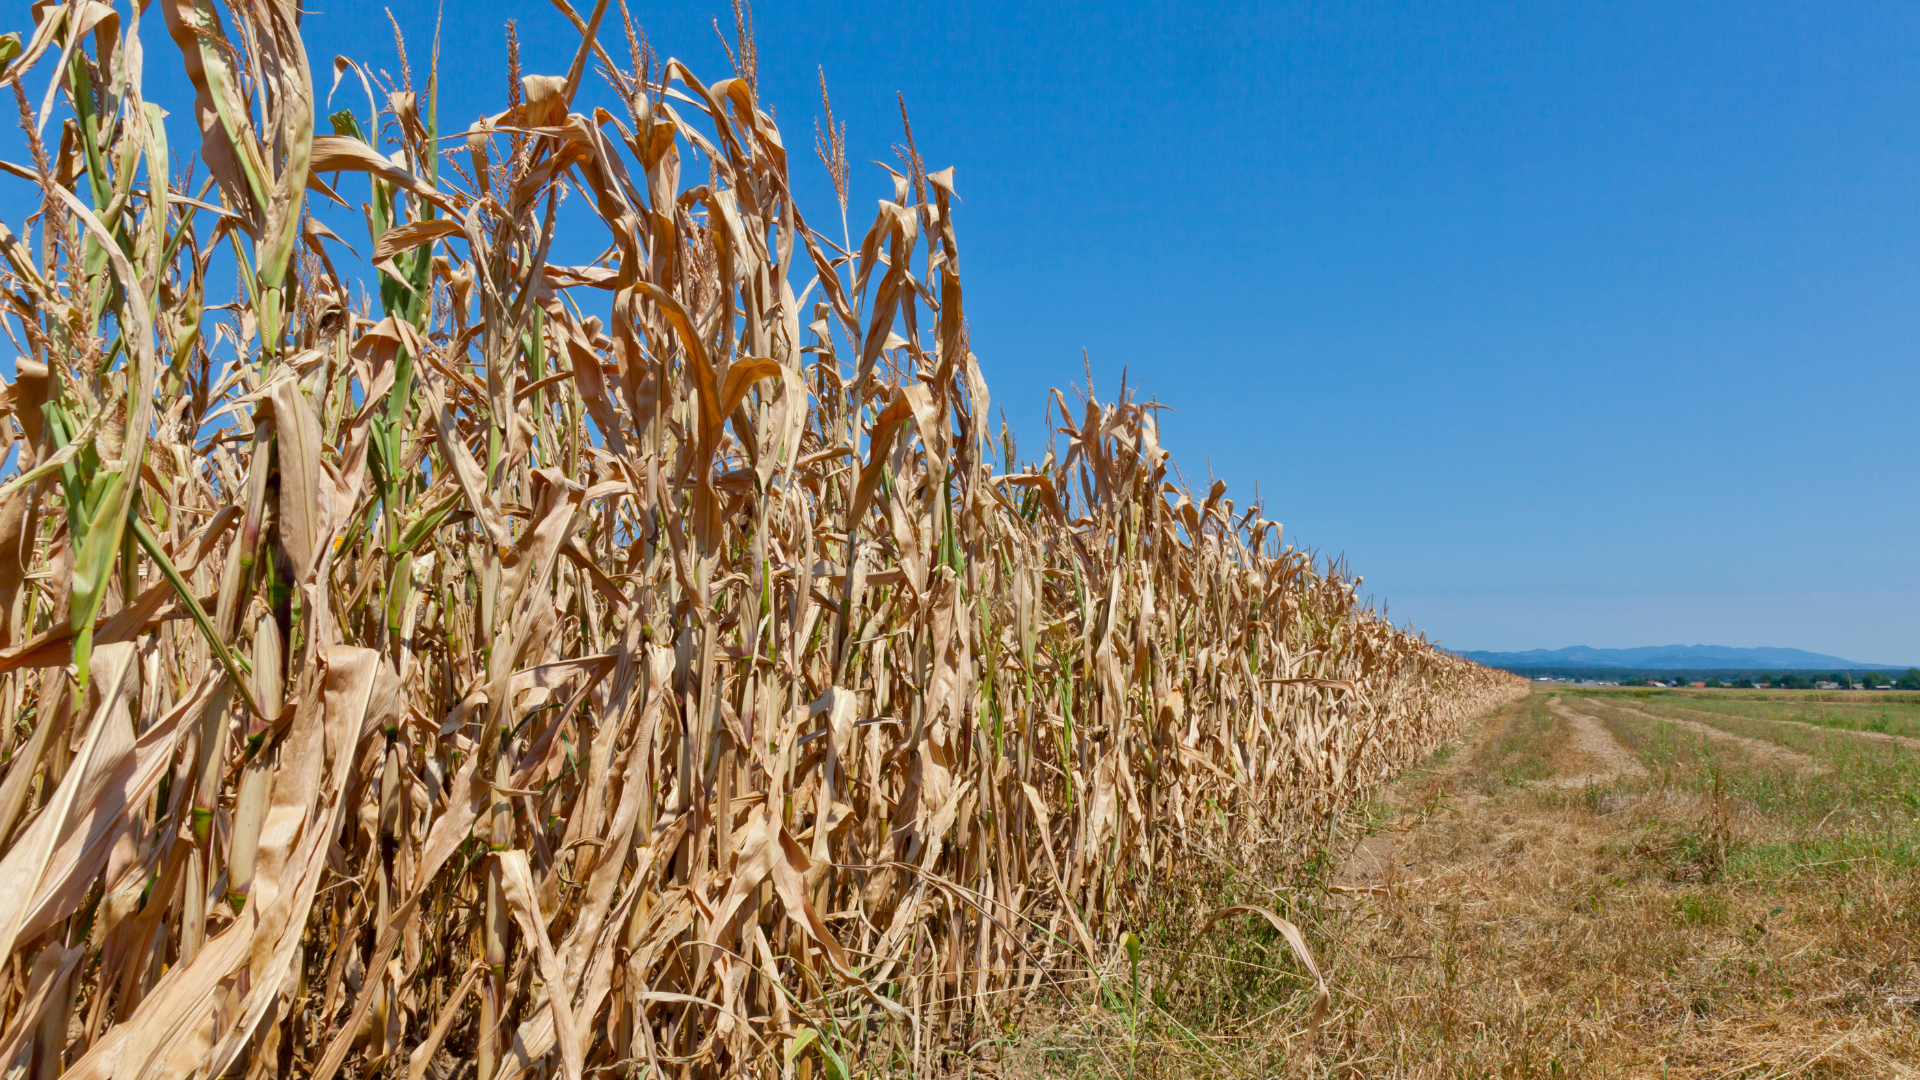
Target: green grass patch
1875, 714
1701, 909
1822, 856
1519, 753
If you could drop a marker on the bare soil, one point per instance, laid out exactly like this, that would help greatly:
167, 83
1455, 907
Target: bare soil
1591, 746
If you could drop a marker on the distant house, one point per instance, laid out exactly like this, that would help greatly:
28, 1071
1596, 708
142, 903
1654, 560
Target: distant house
1826, 686
1701, 685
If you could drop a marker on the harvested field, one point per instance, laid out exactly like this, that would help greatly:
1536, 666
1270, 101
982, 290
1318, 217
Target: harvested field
455, 664
1754, 748
1873, 725
1598, 757
1700, 909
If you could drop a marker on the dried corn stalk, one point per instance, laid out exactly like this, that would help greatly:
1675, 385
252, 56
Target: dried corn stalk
462, 676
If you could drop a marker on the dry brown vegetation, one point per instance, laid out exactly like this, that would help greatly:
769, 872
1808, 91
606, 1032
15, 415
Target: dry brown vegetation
462, 684
1582, 888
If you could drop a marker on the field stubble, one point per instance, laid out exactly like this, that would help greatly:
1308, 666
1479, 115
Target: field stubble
1581, 888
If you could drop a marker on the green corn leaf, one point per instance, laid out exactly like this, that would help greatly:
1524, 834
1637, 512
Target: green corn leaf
242, 679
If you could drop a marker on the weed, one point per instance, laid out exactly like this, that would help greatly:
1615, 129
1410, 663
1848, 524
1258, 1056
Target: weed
1701, 909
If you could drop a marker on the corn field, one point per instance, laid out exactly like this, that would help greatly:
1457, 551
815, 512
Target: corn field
638, 666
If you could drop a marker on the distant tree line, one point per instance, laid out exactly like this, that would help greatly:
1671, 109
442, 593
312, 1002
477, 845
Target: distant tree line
1791, 680
1801, 678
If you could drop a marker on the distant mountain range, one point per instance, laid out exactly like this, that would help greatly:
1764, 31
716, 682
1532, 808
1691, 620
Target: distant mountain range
1675, 657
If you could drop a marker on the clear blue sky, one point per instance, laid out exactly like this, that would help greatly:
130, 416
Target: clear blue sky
1567, 324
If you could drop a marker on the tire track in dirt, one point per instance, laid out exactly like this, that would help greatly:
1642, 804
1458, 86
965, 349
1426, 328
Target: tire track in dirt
1386, 858
1381, 859
1759, 748
1583, 907
1590, 739
1907, 741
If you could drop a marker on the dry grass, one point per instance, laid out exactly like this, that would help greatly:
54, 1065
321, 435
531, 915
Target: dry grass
1715, 914
411, 672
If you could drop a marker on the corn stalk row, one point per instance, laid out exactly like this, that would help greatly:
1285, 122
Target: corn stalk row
632, 665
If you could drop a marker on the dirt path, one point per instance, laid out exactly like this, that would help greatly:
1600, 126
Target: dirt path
1590, 755
1380, 860
1907, 741
1494, 926
1805, 764
1590, 741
